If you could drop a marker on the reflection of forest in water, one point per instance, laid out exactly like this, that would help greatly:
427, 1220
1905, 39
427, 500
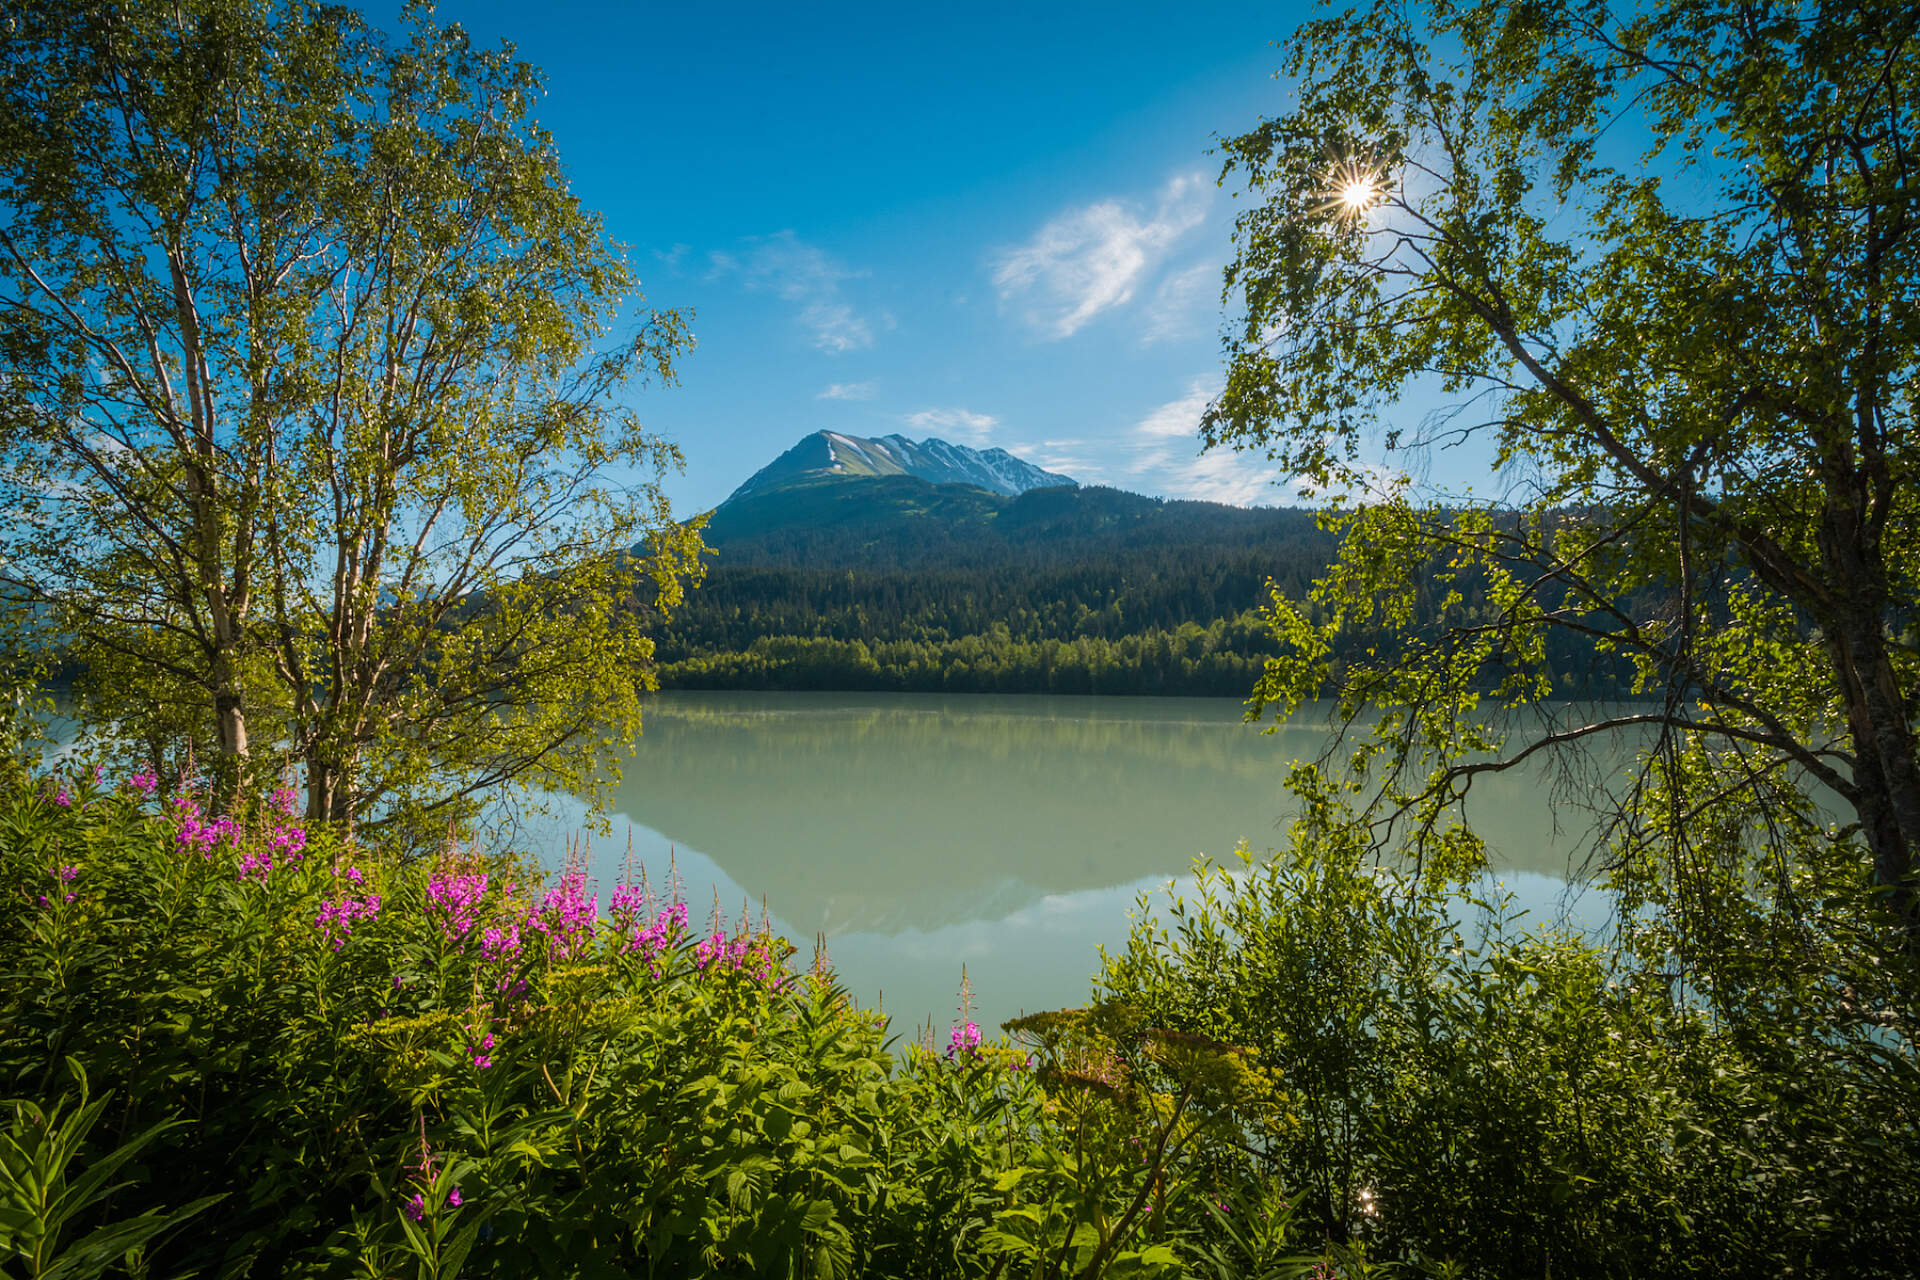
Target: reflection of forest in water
868, 811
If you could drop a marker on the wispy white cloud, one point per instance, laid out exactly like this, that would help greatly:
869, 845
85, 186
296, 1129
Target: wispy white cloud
1091, 259
836, 328
1224, 476
1176, 418
806, 276
847, 391
1184, 304
1161, 453
1067, 457
1166, 457
957, 425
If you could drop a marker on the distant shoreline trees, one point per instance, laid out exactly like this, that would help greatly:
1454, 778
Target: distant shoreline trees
1220, 660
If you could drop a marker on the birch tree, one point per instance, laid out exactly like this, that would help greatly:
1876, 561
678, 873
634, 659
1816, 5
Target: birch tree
312, 422
1660, 262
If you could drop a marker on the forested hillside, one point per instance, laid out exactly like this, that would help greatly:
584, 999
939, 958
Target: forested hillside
893, 583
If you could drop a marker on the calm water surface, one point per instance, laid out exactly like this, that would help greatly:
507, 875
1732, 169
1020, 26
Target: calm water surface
1013, 835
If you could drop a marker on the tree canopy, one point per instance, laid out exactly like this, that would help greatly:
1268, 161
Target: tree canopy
308, 442
1661, 263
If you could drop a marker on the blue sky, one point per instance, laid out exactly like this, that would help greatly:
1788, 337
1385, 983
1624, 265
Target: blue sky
997, 225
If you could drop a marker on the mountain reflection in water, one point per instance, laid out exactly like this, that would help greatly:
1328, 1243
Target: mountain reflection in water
911, 812
918, 832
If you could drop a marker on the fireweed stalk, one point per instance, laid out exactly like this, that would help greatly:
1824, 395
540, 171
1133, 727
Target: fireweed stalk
444, 1005
964, 1041
425, 1173
471, 910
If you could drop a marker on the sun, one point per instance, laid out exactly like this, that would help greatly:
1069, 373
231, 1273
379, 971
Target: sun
1356, 196
1355, 189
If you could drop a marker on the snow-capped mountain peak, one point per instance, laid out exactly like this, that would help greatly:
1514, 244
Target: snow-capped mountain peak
934, 460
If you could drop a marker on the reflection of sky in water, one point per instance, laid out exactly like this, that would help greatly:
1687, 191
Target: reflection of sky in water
894, 813
1040, 954
1011, 836
1043, 956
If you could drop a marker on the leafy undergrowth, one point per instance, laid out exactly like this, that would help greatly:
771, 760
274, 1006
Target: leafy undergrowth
265, 1051
245, 1046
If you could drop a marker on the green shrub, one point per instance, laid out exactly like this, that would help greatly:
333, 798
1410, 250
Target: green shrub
377, 1067
386, 1068
1474, 1097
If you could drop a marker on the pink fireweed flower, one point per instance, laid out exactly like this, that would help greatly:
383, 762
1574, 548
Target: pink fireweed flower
144, 782
284, 801
192, 831
500, 942
353, 874
62, 799
256, 864
288, 842
482, 1054
456, 899
64, 876
626, 904
417, 1206
501, 946
965, 1041
656, 939
567, 916
336, 919
721, 955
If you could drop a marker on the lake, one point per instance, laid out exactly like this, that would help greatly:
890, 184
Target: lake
1012, 835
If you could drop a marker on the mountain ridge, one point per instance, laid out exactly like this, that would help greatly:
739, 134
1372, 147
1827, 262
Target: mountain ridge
849, 579
835, 454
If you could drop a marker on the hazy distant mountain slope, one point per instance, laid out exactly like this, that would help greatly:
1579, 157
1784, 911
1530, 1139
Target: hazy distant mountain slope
834, 455
825, 521
904, 524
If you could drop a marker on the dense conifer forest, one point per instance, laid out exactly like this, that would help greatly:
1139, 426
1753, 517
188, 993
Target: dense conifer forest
893, 583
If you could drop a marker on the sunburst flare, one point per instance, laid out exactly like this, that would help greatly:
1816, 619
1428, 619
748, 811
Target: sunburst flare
1354, 189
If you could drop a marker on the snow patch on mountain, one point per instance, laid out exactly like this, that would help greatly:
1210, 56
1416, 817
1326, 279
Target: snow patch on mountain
932, 459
